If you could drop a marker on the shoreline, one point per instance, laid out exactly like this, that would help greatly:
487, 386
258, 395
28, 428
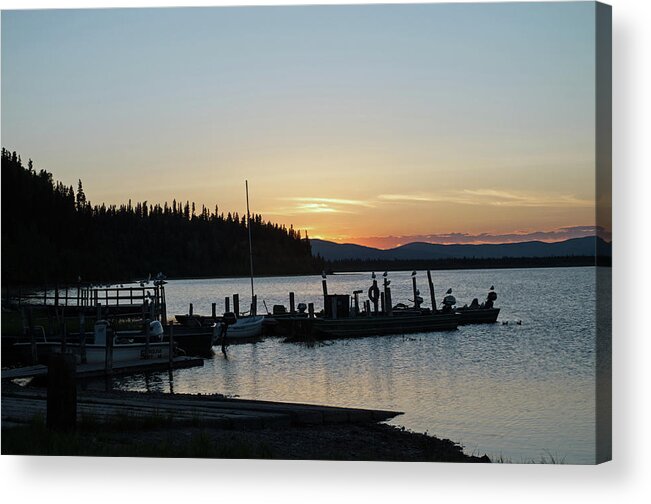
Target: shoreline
198, 426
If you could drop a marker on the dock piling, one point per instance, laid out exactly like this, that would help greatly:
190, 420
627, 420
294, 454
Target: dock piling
236, 304
214, 310
227, 304
108, 357
376, 298
61, 392
171, 348
415, 289
147, 339
82, 337
310, 310
324, 285
292, 308
191, 310
64, 337
431, 290
32, 337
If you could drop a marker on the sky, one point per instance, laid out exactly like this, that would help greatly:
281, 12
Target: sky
376, 124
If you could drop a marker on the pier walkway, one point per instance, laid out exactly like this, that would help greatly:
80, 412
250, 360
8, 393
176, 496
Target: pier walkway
99, 369
22, 404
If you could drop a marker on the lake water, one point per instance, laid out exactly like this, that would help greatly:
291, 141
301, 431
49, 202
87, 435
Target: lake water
521, 392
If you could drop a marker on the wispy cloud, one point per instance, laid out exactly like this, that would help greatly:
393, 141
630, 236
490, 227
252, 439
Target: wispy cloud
333, 201
310, 205
406, 197
492, 197
505, 198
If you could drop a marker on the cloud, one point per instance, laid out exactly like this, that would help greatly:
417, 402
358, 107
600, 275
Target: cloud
406, 197
493, 197
334, 201
560, 234
311, 205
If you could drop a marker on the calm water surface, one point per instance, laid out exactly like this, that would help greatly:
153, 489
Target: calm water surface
519, 391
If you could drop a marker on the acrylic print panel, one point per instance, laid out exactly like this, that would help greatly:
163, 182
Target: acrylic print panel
374, 232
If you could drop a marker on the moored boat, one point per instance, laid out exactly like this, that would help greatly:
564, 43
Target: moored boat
126, 345
244, 328
384, 325
475, 313
196, 341
478, 315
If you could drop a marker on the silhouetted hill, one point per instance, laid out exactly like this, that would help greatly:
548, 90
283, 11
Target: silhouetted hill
586, 246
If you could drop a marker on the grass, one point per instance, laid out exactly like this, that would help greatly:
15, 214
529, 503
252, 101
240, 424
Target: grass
546, 458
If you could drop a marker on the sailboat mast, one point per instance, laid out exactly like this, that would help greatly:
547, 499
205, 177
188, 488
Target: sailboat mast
248, 225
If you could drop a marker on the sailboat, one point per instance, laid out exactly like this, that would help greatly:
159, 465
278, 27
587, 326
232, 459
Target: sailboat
248, 327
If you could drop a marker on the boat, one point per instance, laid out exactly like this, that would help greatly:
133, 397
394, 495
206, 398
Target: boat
244, 328
129, 345
188, 320
476, 313
194, 340
396, 323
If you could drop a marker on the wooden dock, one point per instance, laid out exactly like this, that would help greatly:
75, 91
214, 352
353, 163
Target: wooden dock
98, 369
22, 404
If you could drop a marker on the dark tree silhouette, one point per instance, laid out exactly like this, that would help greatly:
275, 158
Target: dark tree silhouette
50, 234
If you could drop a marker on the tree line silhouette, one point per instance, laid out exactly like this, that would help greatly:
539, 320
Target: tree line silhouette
50, 233
349, 265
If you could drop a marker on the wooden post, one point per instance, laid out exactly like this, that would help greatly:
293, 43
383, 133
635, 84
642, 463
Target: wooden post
171, 348
147, 339
61, 392
382, 303
292, 308
254, 305
214, 310
376, 300
236, 304
413, 284
431, 290
367, 306
310, 310
324, 284
64, 337
227, 304
356, 303
191, 310
82, 337
32, 337
108, 362
163, 306
387, 300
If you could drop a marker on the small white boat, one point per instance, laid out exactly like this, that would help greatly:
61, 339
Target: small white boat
243, 328
127, 345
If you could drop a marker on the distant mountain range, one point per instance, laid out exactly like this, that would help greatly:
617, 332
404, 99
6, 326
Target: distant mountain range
418, 250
